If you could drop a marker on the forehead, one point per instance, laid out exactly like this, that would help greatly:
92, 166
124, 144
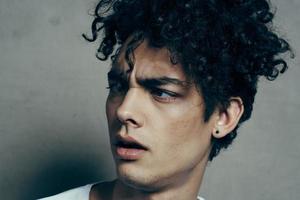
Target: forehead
149, 62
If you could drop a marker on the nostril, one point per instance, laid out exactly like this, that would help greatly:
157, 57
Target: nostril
128, 119
131, 121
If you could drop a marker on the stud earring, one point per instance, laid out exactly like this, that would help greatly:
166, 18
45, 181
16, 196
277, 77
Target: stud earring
219, 124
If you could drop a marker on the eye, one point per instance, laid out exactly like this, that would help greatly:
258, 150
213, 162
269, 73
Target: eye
163, 95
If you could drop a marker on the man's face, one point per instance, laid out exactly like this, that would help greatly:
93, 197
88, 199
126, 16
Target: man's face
155, 118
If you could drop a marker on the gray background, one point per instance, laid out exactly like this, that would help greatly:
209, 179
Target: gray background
52, 122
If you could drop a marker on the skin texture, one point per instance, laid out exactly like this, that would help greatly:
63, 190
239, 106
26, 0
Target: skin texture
168, 120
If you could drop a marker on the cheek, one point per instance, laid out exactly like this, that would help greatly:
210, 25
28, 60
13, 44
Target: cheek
183, 131
187, 131
111, 110
186, 121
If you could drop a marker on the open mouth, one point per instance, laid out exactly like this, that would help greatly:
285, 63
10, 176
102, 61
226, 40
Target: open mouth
129, 150
130, 145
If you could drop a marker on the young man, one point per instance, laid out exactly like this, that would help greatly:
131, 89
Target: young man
183, 79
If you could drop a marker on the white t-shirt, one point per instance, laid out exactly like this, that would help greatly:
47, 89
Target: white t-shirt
80, 193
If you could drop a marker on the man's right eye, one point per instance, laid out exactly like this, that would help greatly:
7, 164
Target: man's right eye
117, 88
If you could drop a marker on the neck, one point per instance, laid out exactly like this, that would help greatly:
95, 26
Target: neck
184, 188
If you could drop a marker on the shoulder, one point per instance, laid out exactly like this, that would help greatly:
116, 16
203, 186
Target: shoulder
80, 193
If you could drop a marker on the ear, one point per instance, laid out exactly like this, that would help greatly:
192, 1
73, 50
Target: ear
228, 119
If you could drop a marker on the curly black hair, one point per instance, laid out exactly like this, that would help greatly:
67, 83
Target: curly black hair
224, 46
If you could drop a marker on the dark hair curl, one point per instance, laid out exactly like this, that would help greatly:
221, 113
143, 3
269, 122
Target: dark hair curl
223, 45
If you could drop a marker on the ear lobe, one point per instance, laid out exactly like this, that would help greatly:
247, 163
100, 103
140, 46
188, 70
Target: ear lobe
229, 118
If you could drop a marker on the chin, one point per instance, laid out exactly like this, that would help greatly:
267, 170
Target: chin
138, 180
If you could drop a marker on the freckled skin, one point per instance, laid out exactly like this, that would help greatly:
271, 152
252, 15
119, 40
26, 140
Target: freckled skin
174, 131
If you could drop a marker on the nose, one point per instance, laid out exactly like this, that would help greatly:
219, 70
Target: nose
130, 110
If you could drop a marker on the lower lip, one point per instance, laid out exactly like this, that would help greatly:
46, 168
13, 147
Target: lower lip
130, 153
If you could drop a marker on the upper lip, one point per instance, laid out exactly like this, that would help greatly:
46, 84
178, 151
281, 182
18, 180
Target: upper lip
128, 141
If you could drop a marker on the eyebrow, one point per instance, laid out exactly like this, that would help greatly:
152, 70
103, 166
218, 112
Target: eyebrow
148, 82
159, 81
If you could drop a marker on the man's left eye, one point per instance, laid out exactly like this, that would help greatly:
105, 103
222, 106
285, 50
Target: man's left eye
163, 95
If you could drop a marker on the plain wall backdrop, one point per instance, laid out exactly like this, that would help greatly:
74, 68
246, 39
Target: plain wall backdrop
53, 132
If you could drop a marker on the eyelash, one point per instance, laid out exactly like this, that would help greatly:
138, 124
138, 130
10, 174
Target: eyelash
157, 93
